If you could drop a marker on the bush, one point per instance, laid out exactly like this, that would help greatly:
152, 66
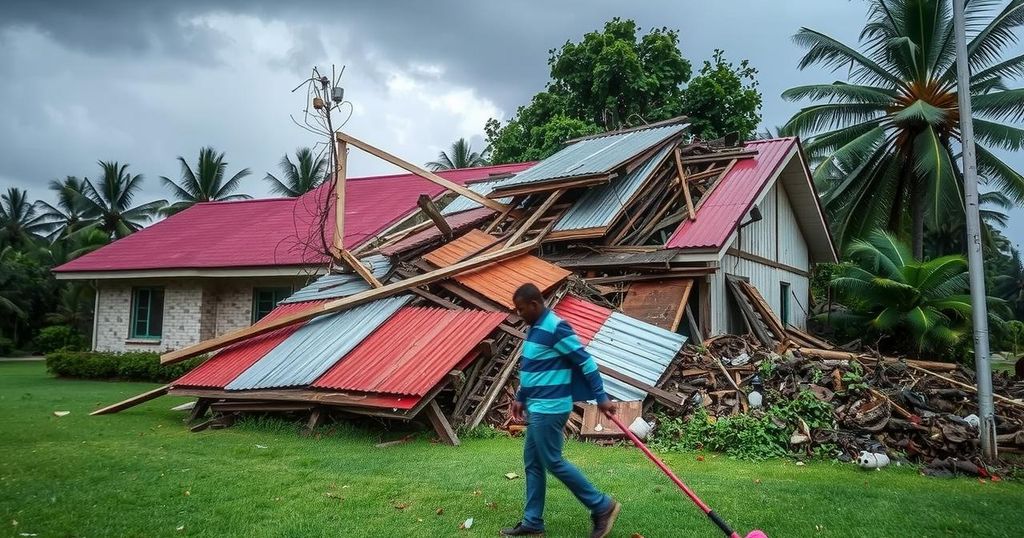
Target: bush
6, 346
58, 338
132, 366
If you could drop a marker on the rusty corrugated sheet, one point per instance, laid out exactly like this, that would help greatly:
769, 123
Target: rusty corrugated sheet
412, 352
458, 223
658, 302
316, 346
584, 317
225, 366
497, 281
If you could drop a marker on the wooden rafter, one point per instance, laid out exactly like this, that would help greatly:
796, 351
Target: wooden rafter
412, 168
344, 303
683, 185
536, 214
430, 209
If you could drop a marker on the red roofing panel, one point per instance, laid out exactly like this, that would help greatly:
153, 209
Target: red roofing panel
458, 223
226, 365
727, 204
497, 281
584, 317
412, 352
270, 232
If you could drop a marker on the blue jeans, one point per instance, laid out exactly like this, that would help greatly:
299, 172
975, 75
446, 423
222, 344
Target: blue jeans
543, 452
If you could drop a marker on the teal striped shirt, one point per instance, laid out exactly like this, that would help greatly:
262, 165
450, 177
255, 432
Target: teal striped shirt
552, 356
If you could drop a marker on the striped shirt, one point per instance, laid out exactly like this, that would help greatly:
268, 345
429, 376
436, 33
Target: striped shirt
552, 355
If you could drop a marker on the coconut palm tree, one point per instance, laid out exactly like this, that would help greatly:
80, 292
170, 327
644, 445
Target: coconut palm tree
950, 235
20, 221
7, 305
205, 183
107, 204
460, 155
885, 141
299, 178
66, 216
1010, 284
914, 305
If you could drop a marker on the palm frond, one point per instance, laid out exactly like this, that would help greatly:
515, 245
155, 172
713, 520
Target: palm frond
934, 165
1002, 105
833, 54
814, 118
999, 174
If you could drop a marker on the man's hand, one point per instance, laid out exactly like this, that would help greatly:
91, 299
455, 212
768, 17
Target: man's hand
606, 407
517, 410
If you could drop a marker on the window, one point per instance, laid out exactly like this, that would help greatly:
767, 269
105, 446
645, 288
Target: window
265, 299
784, 296
147, 313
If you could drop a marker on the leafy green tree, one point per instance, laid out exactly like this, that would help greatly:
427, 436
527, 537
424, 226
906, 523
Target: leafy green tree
885, 141
109, 206
205, 183
460, 155
614, 78
723, 99
20, 222
912, 305
7, 305
300, 178
1008, 283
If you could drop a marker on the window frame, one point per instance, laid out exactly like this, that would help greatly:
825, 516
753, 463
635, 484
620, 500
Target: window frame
785, 304
285, 292
133, 332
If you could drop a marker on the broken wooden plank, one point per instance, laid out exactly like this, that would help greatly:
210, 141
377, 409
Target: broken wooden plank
662, 396
428, 207
834, 354
360, 269
658, 302
133, 401
536, 214
340, 160
344, 303
597, 425
412, 168
441, 425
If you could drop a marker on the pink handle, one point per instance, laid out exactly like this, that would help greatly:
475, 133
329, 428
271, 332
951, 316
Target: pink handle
650, 455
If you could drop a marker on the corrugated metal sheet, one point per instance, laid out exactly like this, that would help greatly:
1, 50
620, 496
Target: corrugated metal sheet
412, 352
584, 317
483, 188
316, 346
593, 156
338, 285
730, 201
225, 366
497, 281
599, 206
458, 224
634, 348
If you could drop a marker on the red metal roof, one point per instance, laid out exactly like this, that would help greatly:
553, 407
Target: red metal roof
584, 317
270, 232
727, 204
412, 352
458, 223
497, 281
226, 365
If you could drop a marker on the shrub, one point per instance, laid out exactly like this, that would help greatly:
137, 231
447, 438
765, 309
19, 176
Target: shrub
58, 338
6, 346
132, 366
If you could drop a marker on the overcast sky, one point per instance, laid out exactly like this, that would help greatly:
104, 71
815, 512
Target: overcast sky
143, 82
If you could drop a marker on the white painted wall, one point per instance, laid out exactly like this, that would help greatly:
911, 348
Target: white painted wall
775, 237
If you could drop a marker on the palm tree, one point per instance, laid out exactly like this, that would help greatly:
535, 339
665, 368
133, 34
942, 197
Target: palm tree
20, 222
950, 235
885, 141
205, 183
299, 179
109, 207
66, 216
1010, 284
460, 155
886, 291
7, 305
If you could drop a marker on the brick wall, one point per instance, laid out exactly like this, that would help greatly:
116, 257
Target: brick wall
194, 310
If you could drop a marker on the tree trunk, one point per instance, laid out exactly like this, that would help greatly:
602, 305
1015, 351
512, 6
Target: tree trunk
917, 218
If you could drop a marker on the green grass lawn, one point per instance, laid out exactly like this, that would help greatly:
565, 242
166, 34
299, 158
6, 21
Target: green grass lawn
141, 473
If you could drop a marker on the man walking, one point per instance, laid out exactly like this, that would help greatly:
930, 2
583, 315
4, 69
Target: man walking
554, 372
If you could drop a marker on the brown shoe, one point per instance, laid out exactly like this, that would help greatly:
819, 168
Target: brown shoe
603, 523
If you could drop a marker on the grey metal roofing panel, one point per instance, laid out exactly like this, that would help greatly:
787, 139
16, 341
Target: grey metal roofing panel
338, 285
483, 188
316, 346
594, 155
599, 205
634, 348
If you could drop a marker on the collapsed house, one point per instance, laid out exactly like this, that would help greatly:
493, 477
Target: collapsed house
640, 238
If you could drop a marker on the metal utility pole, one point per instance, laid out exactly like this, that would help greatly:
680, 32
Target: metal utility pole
979, 308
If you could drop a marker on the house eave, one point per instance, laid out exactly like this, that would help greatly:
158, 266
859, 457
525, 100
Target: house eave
221, 272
